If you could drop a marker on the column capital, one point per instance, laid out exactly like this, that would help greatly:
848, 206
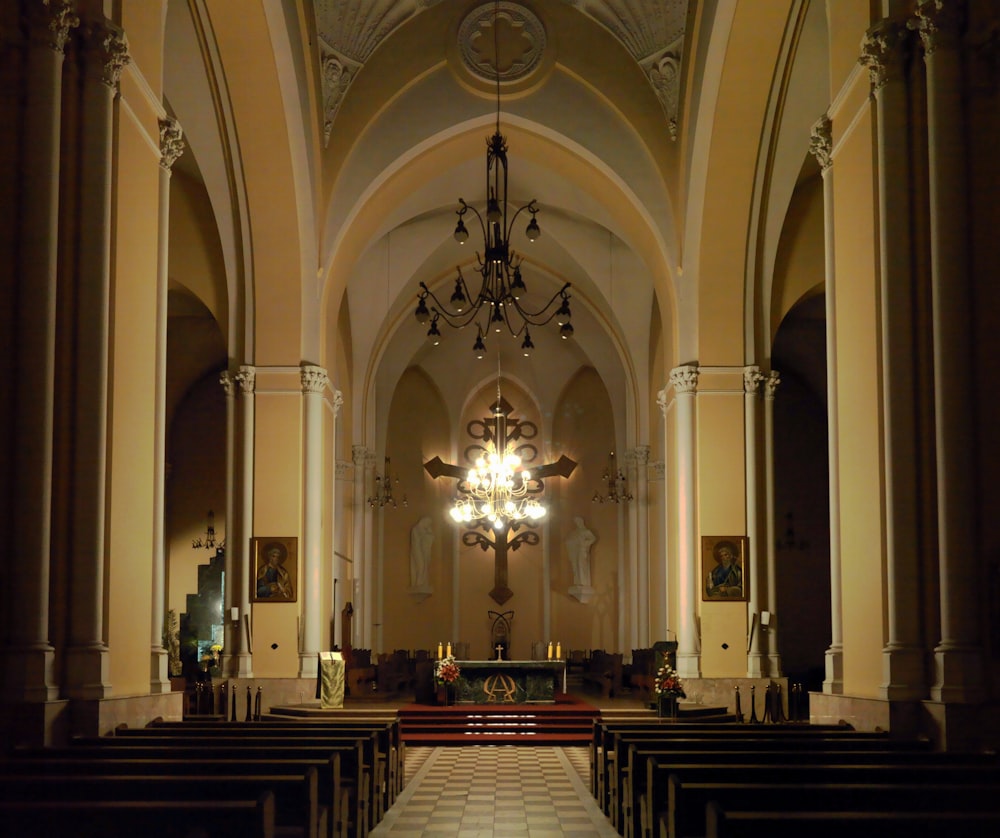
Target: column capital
752, 378
684, 379
228, 383
771, 384
49, 24
821, 141
884, 49
245, 379
360, 454
314, 379
108, 45
338, 402
342, 468
939, 24
639, 455
171, 142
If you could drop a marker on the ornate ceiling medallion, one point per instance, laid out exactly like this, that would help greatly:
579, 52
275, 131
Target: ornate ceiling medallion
520, 34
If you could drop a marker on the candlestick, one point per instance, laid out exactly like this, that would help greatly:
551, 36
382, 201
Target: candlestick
440, 651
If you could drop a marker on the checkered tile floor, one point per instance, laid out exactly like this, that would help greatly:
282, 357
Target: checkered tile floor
496, 790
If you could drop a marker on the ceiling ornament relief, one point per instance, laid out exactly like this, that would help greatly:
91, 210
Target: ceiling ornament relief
651, 30
522, 41
349, 31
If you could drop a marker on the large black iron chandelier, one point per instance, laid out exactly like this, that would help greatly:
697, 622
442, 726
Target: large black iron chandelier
497, 305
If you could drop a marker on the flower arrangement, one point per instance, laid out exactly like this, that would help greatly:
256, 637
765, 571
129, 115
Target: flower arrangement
668, 682
446, 670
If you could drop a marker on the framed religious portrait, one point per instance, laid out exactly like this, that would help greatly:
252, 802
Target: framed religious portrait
275, 563
724, 568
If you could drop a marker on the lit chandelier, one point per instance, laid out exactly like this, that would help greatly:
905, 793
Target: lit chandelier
497, 489
497, 304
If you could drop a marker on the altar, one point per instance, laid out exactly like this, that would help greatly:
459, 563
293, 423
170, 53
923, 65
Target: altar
510, 682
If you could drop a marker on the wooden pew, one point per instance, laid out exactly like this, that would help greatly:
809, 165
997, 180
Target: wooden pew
614, 742
685, 814
722, 823
369, 779
343, 778
655, 797
628, 778
150, 819
385, 724
296, 805
389, 756
605, 731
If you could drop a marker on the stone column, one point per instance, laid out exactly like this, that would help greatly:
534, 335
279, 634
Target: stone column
29, 656
314, 382
958, 656
752, 378
232, 633
640, 457
105, 55
339, 594
242, 560
171, 147
821, 146
885, 52
774, 669
362, 613
684, 380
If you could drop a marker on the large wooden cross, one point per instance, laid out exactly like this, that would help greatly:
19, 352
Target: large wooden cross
501, 541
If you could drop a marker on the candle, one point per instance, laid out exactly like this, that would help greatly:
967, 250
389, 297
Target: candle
440, 651
559, 651
550, 650
449, 648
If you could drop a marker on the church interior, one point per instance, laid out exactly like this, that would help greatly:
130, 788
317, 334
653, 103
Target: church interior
745, 346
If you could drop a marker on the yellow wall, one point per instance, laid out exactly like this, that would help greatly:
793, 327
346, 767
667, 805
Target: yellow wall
277, 511
859, 414
721, 510
131, 415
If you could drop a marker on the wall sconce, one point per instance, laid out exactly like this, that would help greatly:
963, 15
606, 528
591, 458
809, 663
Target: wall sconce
383, 490
209, 542
616, 488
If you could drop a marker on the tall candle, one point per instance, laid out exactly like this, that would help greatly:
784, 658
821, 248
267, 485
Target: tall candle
559, 651
449, 648
440, 651
550, 650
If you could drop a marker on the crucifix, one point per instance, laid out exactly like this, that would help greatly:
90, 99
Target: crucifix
505, 433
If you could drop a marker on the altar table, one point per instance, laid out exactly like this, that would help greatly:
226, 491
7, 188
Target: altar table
510, 682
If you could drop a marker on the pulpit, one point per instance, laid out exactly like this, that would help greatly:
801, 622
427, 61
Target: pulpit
331, 679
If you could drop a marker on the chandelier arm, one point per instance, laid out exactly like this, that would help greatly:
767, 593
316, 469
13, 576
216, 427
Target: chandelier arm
530, 207
469, 208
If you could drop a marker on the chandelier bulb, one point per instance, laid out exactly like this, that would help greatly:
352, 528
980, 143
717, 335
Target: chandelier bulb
533, 231
479, 347
458, 298
434, 334
527, 345
461, 233
493, 214
566, 331
422, 313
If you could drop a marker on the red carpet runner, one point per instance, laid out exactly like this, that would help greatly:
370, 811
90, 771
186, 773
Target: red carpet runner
567, 722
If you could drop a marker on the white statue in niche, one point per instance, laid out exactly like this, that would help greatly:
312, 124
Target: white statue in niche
421, 541
578, 544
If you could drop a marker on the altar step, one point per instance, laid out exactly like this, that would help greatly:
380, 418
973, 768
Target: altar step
497, 725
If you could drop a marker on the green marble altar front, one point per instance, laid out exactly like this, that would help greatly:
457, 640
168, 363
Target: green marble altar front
510, 682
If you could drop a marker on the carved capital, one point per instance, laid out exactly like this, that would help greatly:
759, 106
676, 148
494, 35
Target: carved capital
49, 24
245, 378
108, 50
771, 384
338, 402
684, 379
939, 24
342, 469
171, 142
314, 379
228, 384
883, 52
752, 378
640, 455
360, 455
821, 141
